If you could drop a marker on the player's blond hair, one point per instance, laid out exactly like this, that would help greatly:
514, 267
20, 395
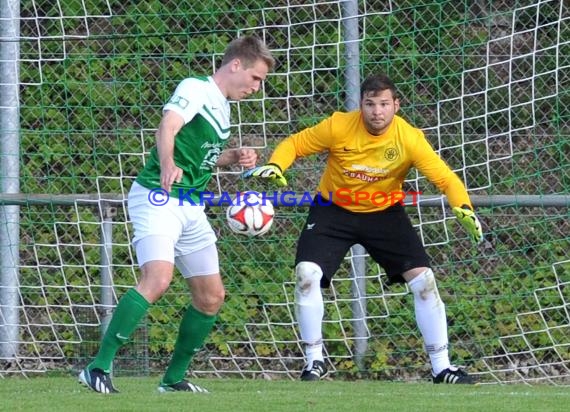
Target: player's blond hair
248, 49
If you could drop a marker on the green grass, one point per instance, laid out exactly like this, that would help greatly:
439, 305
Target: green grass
139, 394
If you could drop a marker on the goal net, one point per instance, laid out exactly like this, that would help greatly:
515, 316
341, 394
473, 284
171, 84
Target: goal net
486, 80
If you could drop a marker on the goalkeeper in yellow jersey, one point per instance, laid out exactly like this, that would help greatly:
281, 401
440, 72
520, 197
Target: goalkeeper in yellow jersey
370, 152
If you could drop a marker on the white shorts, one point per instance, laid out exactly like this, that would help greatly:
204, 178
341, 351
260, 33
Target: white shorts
185, 227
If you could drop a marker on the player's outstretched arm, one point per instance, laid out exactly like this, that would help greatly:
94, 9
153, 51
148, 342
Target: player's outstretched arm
269, 171
470, 222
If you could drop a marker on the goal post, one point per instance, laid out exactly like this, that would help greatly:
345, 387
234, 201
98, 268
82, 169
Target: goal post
487, 81
9, 176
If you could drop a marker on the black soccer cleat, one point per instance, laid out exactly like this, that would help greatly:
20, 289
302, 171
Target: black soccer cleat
453, 375
97, 380
314, 372
182, 386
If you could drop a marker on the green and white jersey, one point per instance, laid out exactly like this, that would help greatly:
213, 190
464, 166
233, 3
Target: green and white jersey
199, 143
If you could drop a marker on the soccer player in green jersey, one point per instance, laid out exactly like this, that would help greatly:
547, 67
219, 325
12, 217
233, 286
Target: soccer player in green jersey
170, 226
370, 152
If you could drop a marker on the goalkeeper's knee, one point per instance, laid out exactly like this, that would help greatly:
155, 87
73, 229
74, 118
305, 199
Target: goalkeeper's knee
308, 281
424, 287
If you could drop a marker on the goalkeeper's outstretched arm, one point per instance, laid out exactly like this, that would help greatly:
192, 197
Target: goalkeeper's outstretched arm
306, 142
283, 156
439, 173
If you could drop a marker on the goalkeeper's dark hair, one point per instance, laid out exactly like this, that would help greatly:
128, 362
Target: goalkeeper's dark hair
248, 49
377, 83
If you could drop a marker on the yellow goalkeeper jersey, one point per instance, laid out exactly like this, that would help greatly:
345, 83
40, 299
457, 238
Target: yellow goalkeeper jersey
365, 173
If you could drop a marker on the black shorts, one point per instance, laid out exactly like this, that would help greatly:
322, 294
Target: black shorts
388, 236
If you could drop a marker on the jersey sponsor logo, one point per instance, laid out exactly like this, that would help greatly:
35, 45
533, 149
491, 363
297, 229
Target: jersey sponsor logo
310, 226
211, 158
391, 154
362, 176
370, 169
214, 150
208, 145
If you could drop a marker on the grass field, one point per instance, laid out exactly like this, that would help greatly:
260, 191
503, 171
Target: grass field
64, 394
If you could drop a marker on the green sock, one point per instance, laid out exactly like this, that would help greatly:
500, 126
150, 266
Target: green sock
128, 313
194, 329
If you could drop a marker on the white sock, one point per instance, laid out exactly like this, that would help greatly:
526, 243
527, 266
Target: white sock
314, 352
310, 309
431, 319
310, 319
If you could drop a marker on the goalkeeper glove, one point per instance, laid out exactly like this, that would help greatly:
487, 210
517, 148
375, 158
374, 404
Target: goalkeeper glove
269, 171
467, 218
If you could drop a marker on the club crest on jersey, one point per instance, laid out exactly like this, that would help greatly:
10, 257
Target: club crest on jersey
391, 154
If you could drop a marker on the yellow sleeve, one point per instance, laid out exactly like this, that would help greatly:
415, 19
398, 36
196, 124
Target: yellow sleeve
428, 163
309, 141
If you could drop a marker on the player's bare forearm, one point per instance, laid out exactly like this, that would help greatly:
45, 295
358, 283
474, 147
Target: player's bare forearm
165, 148
169, 172
228, 157
169, 126
244, 156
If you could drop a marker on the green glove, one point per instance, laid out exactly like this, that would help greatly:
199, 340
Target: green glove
269, 171
467, 218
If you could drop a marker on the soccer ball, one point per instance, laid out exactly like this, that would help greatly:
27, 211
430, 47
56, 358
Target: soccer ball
250, 214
